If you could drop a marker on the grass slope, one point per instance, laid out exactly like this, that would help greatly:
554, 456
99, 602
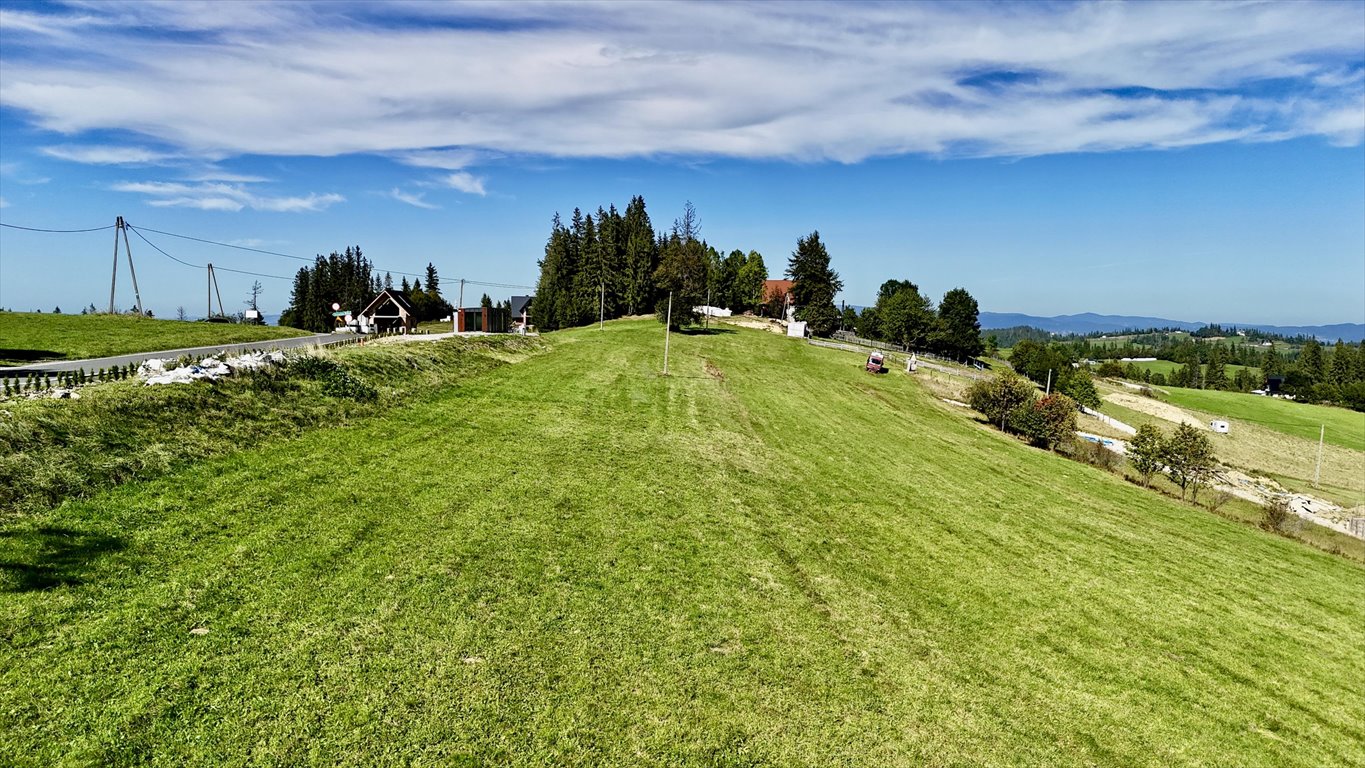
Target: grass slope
769, 558
27, 337
1345, 427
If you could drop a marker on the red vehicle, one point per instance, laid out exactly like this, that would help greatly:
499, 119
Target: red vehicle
875, 363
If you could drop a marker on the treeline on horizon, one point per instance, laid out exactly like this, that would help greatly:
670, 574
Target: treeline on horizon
350, 280
612, 265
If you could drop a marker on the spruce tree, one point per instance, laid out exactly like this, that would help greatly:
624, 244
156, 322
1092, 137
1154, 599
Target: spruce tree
814, 285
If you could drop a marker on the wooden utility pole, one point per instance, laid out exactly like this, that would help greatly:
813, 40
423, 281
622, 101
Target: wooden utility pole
459, 311
121, 228
602, 309
213, 289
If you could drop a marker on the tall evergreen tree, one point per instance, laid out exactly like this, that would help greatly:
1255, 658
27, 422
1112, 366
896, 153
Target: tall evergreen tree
959, 325
814, 285
1310, 362
682, 271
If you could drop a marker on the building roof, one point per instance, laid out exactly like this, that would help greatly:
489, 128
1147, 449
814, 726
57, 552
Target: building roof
776, 290
520, 304
399, 298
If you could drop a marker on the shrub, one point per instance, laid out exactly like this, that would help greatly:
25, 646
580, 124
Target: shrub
1276, 517
998, 397
1049, 422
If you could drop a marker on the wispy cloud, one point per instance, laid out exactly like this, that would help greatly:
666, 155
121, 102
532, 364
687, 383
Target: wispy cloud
109, 155
210, 196
4, 203
411, 199
463, 181
803, 81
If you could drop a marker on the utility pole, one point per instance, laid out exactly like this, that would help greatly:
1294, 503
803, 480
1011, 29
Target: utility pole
1049, 382
668, 326
212, 289
602, 308
1317, 473
120, 227
459, 311
708, 309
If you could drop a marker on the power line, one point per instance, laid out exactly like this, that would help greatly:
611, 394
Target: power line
246, 248
198, 266
60, 231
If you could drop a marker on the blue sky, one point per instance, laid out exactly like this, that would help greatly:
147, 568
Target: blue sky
1191, 161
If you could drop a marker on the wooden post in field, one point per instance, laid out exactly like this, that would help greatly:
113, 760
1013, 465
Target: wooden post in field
1317, 472
602, 309
1049, 382
668, 326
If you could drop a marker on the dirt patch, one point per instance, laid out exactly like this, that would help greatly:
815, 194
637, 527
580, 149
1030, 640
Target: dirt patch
1155, 408
761, 323
714, 372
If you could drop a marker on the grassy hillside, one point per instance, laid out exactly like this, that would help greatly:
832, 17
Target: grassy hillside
1345, 428
27, 337
769, 558
1167, 367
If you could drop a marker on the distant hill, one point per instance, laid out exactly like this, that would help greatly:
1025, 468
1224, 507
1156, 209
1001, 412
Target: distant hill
1089, 322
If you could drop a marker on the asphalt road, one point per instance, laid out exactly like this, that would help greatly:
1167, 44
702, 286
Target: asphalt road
96, 363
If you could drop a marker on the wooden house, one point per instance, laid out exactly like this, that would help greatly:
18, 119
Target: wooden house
391, 310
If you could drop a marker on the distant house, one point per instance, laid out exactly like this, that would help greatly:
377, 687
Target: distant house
391, 310
778, 293
521, 309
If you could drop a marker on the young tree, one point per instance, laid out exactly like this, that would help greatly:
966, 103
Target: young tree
180, 313
1145, 452
959, 326
749, 283
1188, 455
682, 271
1079, 387
998, 397
814, 285
388, 281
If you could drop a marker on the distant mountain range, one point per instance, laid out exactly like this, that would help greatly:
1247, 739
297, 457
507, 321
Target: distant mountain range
1089, 322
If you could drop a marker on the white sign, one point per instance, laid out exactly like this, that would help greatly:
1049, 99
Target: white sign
252, 314
335, 306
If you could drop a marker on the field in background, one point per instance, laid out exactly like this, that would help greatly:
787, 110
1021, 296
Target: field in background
769, 557
28, 337
1345, 427
1167, 367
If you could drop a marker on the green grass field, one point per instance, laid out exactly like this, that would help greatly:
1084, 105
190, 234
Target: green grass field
1345, 427
767, 558
27, 337
1167, 367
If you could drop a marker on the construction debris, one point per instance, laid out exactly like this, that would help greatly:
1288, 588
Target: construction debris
154, 371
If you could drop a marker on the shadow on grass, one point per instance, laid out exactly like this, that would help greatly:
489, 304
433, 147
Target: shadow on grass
712, 331
14, 356
49, 557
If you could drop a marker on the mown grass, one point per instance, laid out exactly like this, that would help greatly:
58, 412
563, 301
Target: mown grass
27, 337
1345, 427
769, 558
53, 450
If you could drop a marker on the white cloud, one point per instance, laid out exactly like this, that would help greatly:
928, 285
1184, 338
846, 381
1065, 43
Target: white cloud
210, 196
464, 181
4, 203
411, 199
109, 155
805, 81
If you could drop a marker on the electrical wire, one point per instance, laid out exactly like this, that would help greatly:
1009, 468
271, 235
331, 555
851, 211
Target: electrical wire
244, 248
60, 231
198, 266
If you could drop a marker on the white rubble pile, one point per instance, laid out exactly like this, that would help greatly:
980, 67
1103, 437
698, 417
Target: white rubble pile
154, 371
